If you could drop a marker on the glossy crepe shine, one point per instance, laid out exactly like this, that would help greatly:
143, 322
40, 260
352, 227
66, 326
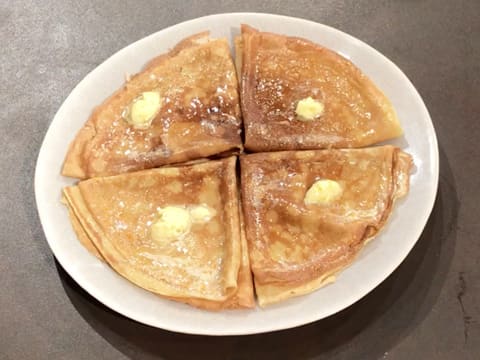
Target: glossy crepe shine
197, 114
204, 266
280, 72
295, 245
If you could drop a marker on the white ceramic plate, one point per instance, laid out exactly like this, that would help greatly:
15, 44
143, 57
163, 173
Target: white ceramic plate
375, 263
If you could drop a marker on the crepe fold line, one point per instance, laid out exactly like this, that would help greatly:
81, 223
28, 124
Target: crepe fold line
199, 115
244, 295
296, 248
210, 270
278, 71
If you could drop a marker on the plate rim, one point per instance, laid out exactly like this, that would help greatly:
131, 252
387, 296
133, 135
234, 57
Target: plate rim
224, 332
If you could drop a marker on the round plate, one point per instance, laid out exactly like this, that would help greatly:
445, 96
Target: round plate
376, 261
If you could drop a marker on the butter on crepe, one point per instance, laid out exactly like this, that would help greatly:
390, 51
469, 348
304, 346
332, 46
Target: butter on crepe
297, 95
182, 106
205, 266
309, 213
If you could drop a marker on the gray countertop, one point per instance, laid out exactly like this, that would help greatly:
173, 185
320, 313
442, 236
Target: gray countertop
429, 308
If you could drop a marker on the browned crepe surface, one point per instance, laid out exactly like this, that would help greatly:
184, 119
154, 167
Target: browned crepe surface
199, 116
277, 71
207, 269
294, 247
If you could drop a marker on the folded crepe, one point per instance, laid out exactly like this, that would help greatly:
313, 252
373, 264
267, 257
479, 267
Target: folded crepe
297, 95
309, 213
175, 231
183, 106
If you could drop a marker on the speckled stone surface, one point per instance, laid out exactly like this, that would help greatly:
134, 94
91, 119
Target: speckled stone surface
429, 308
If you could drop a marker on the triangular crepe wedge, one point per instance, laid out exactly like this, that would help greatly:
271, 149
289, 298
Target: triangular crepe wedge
175, 231
299, 95
309, 213
183, 106
243, 297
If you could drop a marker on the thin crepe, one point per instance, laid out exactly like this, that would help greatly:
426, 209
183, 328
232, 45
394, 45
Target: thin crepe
295, 247
199, 116
208, 269
278, 71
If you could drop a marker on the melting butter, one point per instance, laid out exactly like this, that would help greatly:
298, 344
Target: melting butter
323, 192
143, 110
176, 221
202, 213
172, 223
309, 109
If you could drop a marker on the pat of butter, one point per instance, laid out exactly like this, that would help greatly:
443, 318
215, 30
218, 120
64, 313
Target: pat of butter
176, 221
201, 213
309, 109
144, 109
173, 222
323, 192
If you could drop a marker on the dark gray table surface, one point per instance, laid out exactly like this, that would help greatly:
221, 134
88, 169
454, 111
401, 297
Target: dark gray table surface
429, 308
